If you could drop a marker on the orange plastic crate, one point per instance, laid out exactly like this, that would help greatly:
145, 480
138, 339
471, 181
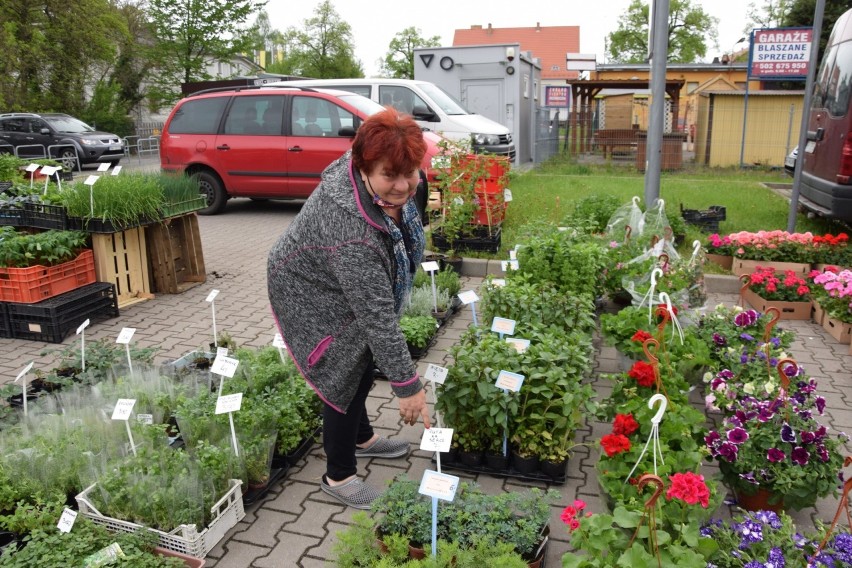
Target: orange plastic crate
36, 283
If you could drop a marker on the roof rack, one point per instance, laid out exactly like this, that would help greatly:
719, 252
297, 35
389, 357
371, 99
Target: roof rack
250, 87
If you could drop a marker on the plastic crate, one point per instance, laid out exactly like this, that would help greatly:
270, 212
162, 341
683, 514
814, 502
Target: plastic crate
11, 217
185, 539
480, 241
45, 216
183, 207
706, 220
5, 327
37, 283
52, 320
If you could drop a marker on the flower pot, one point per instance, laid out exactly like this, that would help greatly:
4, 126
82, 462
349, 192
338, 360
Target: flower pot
473, 459
450, 457
723, 260
817, 313
554, 469
524, 465
416, 552
742, 266
759, 501
841, 331
788, 310
497, 462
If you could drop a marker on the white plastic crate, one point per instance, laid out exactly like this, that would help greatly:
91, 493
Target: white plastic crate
186, 539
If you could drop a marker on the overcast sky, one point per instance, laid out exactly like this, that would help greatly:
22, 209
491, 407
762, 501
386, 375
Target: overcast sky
375, 22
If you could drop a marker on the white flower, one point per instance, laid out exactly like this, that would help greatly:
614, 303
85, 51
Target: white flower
708, 376
770, 387
748, 388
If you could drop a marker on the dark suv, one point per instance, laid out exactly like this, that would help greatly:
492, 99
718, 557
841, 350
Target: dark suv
58, 136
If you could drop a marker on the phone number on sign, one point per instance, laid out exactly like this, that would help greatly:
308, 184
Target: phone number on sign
781, 66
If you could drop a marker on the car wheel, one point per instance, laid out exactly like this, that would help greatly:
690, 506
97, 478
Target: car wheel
68, 159
210, 186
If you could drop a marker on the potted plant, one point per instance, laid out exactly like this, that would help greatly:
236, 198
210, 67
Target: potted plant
831, 250
720, 250
418, 332
115, 203
779, 249
832, 290
788, 292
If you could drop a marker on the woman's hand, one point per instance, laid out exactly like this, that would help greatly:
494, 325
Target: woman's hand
412, 407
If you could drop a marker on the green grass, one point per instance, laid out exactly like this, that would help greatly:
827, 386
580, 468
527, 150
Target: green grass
549, 191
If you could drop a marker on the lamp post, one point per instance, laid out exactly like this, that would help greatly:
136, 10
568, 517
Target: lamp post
730, 57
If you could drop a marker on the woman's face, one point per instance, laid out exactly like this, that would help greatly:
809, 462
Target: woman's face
393, 188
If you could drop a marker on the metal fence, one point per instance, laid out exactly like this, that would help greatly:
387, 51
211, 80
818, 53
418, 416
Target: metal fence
546, 134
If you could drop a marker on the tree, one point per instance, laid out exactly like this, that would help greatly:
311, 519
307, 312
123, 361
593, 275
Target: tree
269, 41
801, 13
399, 60
322, 48
769, 15
688, 27
189, 34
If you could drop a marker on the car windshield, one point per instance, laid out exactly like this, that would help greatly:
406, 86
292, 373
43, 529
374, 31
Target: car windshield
365, 105
443, 99
68, 124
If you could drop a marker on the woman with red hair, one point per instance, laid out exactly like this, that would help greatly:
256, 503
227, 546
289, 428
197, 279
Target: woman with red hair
338, 280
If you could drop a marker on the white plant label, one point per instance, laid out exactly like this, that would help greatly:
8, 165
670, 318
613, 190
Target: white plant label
145, 418
221, 352
212, 295
507, 195
278, 342
513, 254
520, 345
126, 335
91, 180
48, 170
468, 297
498, 282
32, 167
562, 229
503, 325
507, 264
25, 371
83, 326
458, 201
224, 366
116, 170
436, 373
439, 485
436, 440
509, 381
103, 166
430, 266
229, 403
123, 408
66, 521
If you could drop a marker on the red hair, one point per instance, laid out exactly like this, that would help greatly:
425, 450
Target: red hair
390, 136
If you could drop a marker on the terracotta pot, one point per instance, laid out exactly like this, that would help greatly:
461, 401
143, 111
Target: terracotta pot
416, 552
759, 501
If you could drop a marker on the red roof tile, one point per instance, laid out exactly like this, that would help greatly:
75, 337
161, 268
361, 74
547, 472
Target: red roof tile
548, 43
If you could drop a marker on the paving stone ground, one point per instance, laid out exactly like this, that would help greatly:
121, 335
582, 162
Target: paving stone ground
295, 524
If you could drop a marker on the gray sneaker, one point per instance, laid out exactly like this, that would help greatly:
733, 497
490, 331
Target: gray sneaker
354, 493
384, 448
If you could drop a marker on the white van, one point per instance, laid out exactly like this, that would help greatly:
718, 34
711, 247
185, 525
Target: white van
433, 108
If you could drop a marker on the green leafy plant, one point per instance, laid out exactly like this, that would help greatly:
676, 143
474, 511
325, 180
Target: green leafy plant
47, 248
591, 213
123, 200
419, 302
418, 330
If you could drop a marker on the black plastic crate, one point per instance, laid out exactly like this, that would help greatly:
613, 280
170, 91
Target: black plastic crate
480, 241
55, 318
5, 186
707, 220
5, 328
11, 217
45, 216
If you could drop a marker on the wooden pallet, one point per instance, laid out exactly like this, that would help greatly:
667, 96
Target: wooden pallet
122, 259
175, 255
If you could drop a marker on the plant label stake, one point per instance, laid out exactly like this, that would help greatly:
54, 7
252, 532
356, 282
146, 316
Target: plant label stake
48, 171
470, 297
230, 404
221, 352
81, 331
436, 440
437, 375
224, 367
507, 195
124, 338
211, 297
103, 167
506, 265
278, 342
31, 170
431, 267
654, 436
498, 282
23, 375
503, 326
520, 345
437, 486
123, 409
508, 382
90, 181
66, 521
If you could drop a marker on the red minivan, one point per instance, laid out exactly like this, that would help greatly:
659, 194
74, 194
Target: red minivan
265, 142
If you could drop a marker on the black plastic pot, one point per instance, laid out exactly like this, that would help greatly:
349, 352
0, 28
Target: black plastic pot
497, 462
470, 458
553, 469
524, 465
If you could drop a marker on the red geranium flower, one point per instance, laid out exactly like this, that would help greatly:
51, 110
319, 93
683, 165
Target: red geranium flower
690, 488
614, 444
640, 336
643, 373
624, 424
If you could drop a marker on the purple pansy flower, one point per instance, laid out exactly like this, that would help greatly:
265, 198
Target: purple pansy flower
719, 340
728, 451
787, 434
737, 435
746, 337
808, 437
800, 456
775, 455
820, 404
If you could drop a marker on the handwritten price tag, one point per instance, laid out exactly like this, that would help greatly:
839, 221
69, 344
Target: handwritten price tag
83, 326
212, 295
468, 297
503, 325
513, 254
278, 342
507, 195
229, 403
145, 418
32, 167
430, 266
436, 373
509, 381
509, 264
436, 440
224, 366
123, 408
439, 485
66, 521
91, 180
49, 170
126, 335
103, 166
498, 282
25, 371
221, 352
520, 345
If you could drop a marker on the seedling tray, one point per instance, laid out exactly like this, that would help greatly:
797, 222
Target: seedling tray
45, 216
294, 457
509, 472
186, 539
252, 496
53, 319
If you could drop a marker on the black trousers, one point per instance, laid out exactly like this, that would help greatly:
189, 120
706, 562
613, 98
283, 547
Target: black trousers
341, 432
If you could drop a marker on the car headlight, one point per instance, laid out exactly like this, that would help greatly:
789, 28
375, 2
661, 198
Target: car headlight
485, 139
88, 142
